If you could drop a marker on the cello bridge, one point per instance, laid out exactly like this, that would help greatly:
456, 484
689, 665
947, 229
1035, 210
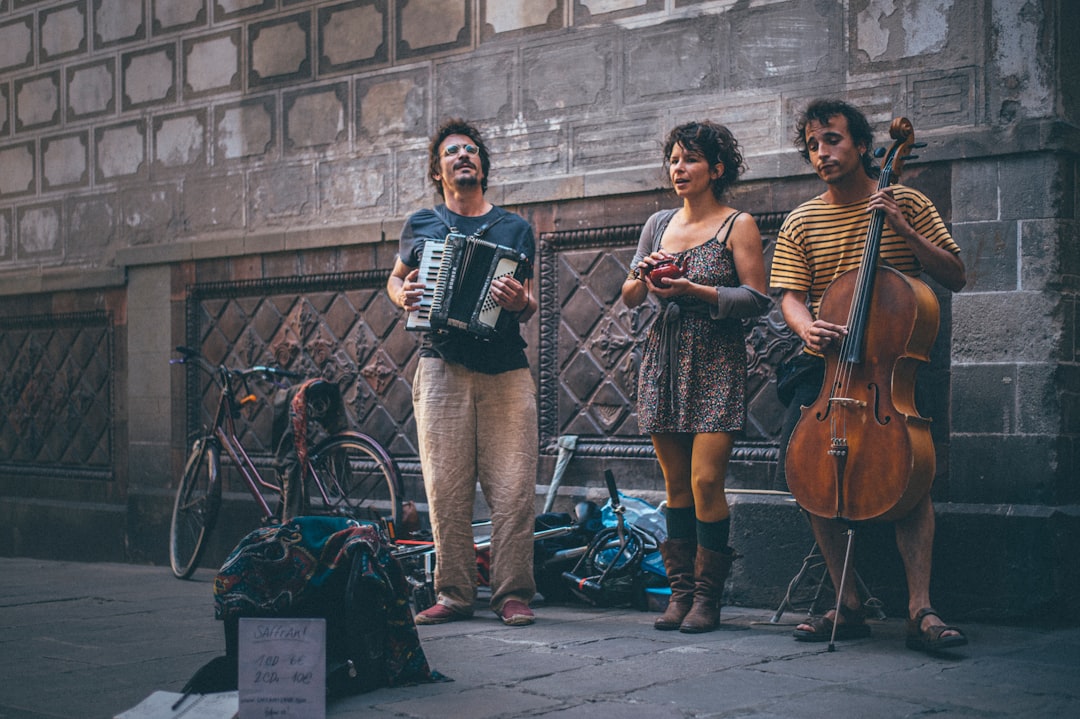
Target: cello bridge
847, 402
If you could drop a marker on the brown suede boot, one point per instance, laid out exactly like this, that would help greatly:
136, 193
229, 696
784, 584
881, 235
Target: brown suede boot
678, 557
710, 572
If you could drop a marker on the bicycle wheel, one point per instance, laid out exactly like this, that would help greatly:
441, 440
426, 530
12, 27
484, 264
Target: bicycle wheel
607, 555
359, 479
195, 511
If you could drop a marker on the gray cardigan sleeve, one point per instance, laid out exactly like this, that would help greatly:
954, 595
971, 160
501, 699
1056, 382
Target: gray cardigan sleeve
739, 303
649, 241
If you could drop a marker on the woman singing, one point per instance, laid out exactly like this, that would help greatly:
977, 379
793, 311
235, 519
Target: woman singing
692, 381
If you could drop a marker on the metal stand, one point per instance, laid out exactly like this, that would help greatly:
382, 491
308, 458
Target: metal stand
812, 562
839, 592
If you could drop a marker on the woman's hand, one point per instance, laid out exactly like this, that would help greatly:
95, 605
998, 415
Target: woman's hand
651, 260
661, 286
668, 286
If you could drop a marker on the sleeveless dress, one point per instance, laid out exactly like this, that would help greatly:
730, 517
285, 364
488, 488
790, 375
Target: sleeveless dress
693, 369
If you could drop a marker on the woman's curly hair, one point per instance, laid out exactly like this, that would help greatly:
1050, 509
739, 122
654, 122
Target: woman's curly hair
715, 143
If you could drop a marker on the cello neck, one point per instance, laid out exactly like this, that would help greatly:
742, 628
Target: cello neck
853, 347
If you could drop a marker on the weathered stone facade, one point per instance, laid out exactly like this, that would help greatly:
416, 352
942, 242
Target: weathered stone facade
173, 170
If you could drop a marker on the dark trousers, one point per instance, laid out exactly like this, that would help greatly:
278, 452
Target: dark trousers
803, 388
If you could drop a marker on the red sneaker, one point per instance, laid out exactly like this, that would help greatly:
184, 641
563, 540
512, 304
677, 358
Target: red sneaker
438, 614
516, 614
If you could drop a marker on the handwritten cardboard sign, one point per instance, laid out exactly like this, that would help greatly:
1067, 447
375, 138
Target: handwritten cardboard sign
282, 669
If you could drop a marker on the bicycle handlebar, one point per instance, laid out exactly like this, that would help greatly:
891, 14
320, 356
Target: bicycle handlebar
274, 371
268, 372
609, 478
616, 505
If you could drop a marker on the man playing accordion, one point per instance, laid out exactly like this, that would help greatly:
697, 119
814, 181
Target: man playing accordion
474, 397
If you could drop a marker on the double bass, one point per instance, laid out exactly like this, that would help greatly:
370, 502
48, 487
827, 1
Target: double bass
861, 451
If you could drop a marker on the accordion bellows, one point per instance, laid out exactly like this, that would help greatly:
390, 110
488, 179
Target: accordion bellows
458, 273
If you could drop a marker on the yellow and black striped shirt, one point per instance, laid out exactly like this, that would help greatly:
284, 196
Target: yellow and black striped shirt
819, 241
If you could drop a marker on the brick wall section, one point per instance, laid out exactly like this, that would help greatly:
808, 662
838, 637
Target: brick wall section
102, 97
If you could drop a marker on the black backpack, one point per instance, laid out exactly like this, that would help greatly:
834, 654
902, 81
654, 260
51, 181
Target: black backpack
330, 567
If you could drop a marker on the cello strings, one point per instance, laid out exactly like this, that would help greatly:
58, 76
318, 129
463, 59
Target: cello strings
853, 344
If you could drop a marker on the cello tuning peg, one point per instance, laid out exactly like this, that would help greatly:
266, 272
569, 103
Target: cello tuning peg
879, 152
917, 145
911, 157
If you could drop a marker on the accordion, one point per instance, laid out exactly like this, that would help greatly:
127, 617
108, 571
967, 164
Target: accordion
458, 272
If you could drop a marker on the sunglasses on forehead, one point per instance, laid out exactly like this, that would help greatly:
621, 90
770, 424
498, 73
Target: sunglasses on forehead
451, 150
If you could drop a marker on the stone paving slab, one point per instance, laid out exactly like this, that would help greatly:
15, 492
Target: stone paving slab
87, 641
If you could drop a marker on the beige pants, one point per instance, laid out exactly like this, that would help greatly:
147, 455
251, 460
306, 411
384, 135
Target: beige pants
472, 428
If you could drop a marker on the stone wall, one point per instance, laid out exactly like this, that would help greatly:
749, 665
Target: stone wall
148, 146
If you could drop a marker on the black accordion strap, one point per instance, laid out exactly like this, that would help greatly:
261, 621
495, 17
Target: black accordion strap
440, 209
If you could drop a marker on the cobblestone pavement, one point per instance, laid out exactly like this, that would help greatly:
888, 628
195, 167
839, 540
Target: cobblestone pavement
88, 641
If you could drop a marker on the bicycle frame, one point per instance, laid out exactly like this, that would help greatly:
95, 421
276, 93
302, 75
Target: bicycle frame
353, 474
224, 431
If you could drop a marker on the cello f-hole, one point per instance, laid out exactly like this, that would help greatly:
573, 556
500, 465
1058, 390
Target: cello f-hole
875, 390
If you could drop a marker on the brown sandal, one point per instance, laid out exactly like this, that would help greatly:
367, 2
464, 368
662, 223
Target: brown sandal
854, 626
931, 640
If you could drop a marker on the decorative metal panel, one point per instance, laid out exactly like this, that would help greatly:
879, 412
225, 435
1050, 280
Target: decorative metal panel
590, 347
56, 391
342, 328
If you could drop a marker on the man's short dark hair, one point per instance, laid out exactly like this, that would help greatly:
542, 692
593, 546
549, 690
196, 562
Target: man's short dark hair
715, 143
821, 111
457, 126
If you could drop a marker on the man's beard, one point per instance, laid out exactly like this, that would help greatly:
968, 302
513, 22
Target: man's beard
465, 182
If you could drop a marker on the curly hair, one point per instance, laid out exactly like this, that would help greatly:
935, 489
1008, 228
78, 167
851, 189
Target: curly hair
821, 111
456, 126
715, 143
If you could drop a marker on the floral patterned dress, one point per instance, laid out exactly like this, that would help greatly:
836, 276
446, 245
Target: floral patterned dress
693, 369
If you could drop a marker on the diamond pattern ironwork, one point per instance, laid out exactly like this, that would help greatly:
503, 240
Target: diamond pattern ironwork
590, 345
341, 328
56, 388
344, 329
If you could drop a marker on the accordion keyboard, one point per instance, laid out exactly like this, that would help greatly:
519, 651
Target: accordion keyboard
430, 261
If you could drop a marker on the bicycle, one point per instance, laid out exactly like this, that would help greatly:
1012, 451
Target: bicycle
417, 558
608, 571
608, 562
353, 475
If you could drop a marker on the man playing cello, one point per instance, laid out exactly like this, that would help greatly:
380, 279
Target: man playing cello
820, 240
